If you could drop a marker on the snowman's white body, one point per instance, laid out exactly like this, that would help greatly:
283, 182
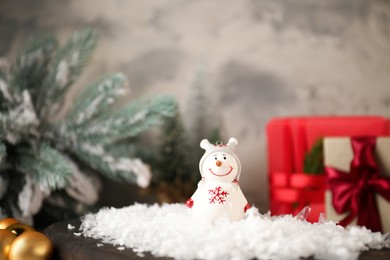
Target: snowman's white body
232, 206
218, 193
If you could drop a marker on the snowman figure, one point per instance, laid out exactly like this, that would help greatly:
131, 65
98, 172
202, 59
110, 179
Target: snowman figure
218, 191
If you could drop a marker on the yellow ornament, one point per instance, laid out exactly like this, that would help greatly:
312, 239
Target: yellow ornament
19, 228
31, 245
6, 238
4, 223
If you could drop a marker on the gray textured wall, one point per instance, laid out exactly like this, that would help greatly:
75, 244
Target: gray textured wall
259, 59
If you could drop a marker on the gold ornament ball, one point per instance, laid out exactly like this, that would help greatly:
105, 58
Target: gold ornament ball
31, 245
4, 223
19, 228
6, 238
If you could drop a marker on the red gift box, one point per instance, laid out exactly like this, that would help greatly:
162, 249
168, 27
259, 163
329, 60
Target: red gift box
289, 139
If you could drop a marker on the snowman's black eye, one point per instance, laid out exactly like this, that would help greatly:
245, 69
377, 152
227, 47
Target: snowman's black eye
224, 157
215, 158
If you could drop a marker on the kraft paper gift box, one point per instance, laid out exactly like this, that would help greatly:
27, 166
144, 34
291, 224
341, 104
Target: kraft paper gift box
338, 154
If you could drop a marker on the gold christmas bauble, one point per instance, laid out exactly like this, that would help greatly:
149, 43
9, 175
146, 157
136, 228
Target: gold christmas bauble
6, 238
31, 245
19, 228
4, 223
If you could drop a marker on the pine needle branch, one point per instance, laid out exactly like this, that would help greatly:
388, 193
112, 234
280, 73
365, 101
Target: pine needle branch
95, 100
3, 154
133, 119
6, 98
314, 159
93, 142
64, 69
38, 156
44, 164
30, 67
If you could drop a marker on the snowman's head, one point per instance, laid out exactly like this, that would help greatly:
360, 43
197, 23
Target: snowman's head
220, 162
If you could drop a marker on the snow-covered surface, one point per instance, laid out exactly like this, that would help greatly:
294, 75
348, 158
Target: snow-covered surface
170, 230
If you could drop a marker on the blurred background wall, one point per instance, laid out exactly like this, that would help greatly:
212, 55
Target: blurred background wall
255, 59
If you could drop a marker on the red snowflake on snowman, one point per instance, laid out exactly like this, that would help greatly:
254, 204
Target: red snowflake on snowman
218, 195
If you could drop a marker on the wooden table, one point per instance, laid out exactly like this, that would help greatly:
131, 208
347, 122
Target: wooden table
70, 247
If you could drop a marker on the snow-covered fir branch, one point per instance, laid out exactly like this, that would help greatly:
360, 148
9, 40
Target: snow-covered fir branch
54, 163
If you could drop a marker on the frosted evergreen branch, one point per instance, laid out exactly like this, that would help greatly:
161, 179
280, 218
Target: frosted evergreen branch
95, 100
140, 115
94, 135
30, 198
44, 165
113, 126
128, 121
126, 147
6, 97
19, 121
64, 68
3, 153
82, 187
116, 168
30, 67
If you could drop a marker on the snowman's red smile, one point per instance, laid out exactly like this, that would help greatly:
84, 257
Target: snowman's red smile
224, 174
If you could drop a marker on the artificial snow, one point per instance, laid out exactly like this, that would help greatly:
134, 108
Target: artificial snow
171, 231
5, 90
24, 114
71, 227
63, 74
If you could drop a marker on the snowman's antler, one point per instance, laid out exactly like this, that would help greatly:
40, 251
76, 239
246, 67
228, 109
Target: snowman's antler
205, 144
232, 143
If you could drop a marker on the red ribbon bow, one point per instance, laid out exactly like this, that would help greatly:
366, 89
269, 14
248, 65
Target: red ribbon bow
354, 192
